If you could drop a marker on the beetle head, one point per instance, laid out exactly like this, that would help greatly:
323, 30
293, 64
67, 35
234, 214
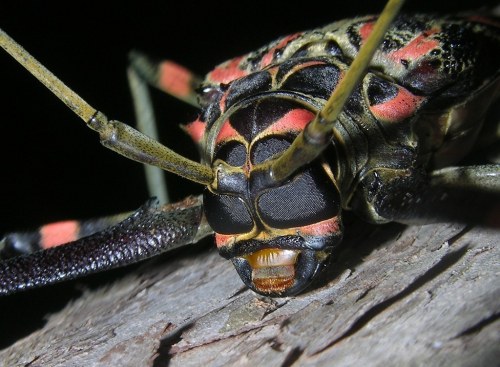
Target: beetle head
277, 234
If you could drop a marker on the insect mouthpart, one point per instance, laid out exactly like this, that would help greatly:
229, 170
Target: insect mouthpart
273, 270
277, 272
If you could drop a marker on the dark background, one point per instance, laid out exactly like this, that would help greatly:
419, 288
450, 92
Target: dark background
53, 167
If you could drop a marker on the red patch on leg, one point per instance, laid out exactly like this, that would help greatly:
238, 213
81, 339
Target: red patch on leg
59, 233
175, 79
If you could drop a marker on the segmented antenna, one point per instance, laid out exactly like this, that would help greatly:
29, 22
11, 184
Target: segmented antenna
114, 135
317, 135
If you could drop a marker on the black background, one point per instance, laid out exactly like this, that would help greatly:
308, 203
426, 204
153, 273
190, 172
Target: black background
53, 167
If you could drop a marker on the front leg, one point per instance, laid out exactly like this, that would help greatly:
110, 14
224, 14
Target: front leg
466, 194
54, 234
149, 231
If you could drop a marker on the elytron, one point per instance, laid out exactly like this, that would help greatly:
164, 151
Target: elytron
290, 136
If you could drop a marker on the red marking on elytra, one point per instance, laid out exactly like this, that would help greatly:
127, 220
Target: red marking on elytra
55, 234
365, 30
417, 48
226, 132
228, 71
399, 108
323, 228
268, 57
294, 120
175, 79
196, 130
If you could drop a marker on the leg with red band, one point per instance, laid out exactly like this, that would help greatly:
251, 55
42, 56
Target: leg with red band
167, 76
54, 234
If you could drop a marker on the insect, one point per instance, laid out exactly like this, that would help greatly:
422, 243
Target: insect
381, 158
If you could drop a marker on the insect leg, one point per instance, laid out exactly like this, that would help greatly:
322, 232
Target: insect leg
468, 194
146, 123
54, 234
167, 76
148, 232
172, 79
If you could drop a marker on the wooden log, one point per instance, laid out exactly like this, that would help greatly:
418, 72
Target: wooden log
394, 295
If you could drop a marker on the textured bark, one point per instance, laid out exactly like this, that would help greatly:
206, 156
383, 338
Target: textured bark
394, 296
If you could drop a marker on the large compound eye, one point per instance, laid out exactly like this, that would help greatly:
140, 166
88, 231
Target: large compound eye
310, 197
209, 94
227, 214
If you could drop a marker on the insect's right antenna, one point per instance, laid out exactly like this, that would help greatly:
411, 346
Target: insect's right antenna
114, 135
317, 135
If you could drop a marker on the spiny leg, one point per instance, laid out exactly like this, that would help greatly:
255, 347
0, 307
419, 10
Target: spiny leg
114, 135
59, 233
146, 233
485, 178
168, 77
469, 194
54, 234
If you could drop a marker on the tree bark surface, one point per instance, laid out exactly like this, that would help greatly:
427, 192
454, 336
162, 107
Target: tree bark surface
393, 296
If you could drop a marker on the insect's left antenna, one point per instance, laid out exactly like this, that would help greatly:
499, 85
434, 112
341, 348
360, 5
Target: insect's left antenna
114, 135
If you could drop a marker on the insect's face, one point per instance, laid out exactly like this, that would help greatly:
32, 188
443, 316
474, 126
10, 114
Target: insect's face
278, 236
